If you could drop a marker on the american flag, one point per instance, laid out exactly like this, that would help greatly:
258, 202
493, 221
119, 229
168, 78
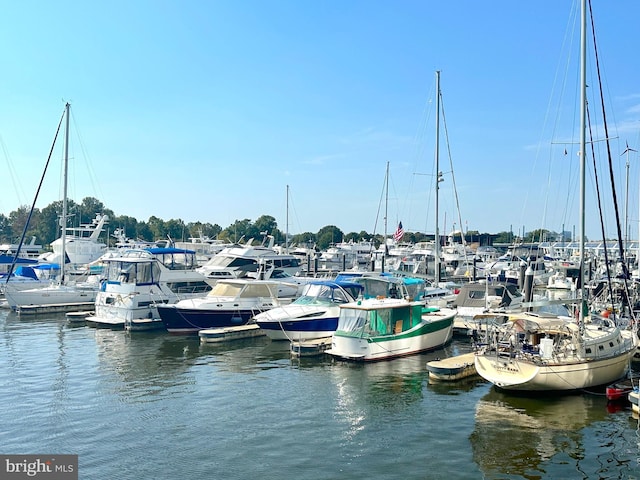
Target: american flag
399, 233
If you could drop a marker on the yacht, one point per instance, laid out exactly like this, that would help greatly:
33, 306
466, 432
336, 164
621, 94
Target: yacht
138, 280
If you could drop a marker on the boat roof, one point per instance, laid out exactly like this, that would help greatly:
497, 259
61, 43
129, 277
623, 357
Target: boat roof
379, 304
167, 250
532, 322
344, 283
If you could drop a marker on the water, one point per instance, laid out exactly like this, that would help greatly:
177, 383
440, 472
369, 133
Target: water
154, 406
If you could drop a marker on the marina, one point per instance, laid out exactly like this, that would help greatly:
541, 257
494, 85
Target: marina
105, 394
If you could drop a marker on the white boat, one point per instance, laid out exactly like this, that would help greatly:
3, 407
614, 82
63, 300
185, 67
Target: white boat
534, 352
313, 315
64, 292
78, 246
239, 260
29, 250
383, 328
137, 280
476, 298
560, 281
231, 302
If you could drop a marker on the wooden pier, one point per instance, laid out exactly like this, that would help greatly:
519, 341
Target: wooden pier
225, 334
54, 308
453, 368
310, 348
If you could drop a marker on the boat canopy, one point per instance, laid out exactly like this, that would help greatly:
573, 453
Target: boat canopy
373, 319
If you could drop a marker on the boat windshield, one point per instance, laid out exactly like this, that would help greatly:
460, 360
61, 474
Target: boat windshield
379, 321
322, 294
139, 273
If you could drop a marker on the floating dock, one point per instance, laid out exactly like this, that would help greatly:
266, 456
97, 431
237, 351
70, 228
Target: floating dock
453, 368
310, 348
79, 317
225, 334
54, 308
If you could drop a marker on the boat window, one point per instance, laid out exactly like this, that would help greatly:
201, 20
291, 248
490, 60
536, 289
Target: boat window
352, 320
339, 296
144, 273
257, 290
476, 294
189, 287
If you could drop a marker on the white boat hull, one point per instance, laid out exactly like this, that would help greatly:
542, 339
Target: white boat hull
519, 374
385, 347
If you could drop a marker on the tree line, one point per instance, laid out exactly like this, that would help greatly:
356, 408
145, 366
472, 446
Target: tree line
45, 227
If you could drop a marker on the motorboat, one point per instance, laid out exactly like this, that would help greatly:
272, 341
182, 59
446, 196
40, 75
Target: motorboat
372, 329
239, 260
138, 280
229, 303
312, 315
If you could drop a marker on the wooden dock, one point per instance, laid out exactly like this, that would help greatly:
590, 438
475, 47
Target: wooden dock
310, 348
452, 368
54, 308
226, 334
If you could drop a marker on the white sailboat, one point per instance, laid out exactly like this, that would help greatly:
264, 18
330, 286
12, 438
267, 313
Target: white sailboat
543, 353
62, 293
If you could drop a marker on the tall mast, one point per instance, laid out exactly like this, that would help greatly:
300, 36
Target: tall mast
438, 179
63, 219
583, 149
386, 208
286, 239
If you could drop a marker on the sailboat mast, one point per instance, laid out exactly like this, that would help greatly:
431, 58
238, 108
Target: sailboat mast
438, 179
63, 219
286, 239
386, 209
583, 145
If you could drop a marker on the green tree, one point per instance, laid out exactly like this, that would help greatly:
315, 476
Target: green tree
328, 235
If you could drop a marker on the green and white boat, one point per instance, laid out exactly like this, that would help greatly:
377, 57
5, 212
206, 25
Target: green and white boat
373, 329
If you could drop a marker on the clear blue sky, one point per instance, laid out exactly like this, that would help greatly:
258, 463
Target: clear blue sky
207, 110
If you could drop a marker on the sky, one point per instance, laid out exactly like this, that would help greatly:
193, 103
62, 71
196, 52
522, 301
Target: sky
217, 111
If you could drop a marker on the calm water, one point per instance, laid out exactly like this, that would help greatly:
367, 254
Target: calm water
154, 406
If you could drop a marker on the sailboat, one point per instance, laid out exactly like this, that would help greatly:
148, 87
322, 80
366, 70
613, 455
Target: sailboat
391, 323
535, 352
63, 294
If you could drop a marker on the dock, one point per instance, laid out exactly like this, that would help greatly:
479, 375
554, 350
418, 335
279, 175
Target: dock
78, 317
226, 334
452, 368
310, 348
54, 308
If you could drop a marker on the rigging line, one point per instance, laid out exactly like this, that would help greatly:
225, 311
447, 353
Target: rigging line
12, 171
606, 132
453, 177
625, 267
92, 176
33, 205
599, 201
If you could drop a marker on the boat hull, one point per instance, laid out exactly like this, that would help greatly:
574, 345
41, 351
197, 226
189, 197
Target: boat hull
523, 375
192, 320
299, 330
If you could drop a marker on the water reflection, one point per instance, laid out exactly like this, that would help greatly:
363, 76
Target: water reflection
515, 435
